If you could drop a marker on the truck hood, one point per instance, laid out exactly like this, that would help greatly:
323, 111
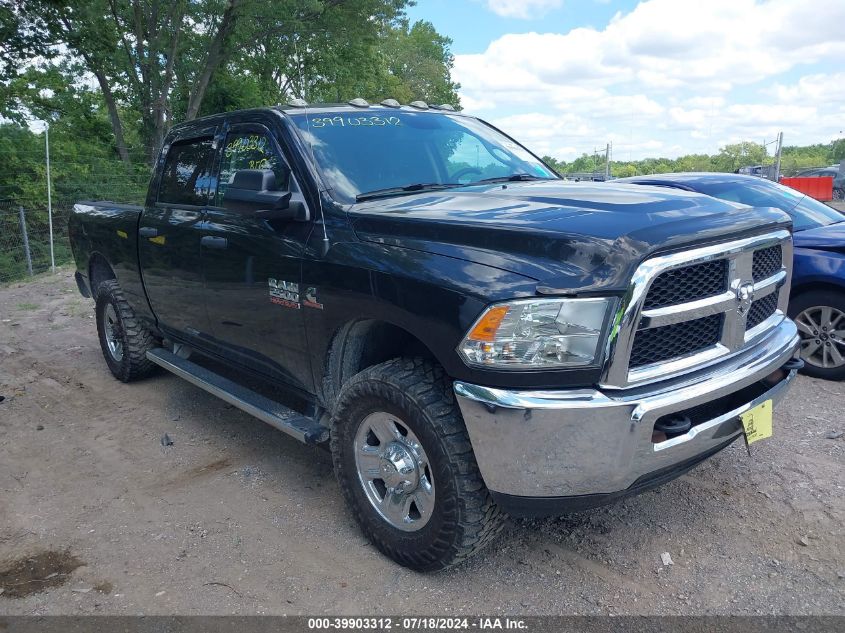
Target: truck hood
830, 237
569, 236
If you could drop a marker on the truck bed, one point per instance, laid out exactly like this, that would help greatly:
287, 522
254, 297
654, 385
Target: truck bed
107, 232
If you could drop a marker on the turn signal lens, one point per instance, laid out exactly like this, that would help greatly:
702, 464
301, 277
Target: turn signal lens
485, 328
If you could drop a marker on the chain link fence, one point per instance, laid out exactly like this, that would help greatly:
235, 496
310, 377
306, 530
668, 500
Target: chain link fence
25, 238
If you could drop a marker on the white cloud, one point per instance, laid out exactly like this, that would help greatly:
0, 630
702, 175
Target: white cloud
662, 44
828, 89
523, 9
666, 70
704, 102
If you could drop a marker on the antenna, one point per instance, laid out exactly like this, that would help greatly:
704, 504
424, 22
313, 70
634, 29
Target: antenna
326, 243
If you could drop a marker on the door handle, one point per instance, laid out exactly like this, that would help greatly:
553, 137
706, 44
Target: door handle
148, 231
210, 241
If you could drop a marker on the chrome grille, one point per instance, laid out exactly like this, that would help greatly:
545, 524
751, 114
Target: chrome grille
688, 284
761, 310
767, 261
686, 310
679, 339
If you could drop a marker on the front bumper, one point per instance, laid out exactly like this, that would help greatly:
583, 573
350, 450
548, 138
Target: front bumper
545, 452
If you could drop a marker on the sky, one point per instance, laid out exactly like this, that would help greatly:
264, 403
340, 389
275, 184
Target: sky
654, 78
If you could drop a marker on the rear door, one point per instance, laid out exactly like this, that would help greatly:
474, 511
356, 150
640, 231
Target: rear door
253, 265
170, 232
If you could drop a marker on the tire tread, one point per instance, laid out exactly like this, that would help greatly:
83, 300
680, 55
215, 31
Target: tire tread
139, 340
425, 386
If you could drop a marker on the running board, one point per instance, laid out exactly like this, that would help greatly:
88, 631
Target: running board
273, 413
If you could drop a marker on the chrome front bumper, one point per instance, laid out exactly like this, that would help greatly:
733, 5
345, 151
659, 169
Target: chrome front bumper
555, 444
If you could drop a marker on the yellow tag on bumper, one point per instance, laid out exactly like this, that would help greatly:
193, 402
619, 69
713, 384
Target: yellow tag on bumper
757, 422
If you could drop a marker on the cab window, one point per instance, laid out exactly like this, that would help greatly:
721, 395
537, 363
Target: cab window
250, 154
186, 176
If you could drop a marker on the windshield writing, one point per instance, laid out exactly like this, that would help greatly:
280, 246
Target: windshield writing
380, 150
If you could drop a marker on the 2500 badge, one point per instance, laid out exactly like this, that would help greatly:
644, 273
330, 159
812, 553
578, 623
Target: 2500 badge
284, 293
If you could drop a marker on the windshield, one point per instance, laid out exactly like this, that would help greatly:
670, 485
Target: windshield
806, 212
377, 149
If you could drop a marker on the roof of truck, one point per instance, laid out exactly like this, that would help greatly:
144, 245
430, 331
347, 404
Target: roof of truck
300, 107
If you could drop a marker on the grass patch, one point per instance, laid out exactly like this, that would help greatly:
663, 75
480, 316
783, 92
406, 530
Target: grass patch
28, 306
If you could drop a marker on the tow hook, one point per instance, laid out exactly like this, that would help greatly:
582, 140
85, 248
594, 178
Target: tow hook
674, 425
671, 426
779, 374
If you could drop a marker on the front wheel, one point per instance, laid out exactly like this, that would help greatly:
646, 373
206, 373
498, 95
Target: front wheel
820, 317
406, 467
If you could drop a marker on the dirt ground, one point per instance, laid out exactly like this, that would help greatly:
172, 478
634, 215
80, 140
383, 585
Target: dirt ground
96, 516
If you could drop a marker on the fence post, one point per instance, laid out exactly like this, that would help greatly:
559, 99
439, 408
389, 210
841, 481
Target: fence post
49, 195
25, 242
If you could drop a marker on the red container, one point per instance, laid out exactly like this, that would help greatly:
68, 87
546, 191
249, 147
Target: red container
818, 187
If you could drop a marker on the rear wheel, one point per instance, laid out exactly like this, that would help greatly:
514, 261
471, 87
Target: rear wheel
406, 467
820, 317
123, 339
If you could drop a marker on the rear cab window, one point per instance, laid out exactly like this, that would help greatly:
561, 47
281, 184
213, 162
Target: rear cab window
186, 176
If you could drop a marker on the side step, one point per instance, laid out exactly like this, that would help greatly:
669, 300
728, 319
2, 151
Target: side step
273, 413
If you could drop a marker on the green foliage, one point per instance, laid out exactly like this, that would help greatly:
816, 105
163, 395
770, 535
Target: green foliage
729, 159
419, 65
136, 67
82, 167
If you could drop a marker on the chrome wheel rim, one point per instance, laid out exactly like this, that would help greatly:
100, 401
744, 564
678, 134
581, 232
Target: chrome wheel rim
822, 330
394, 471
113, 333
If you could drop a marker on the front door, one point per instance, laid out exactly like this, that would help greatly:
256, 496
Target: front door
253, 265
169, 235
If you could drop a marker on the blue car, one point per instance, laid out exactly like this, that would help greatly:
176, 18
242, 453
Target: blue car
817, 303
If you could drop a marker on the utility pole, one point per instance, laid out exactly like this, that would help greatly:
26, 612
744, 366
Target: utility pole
777, 161
49, 195
607, 162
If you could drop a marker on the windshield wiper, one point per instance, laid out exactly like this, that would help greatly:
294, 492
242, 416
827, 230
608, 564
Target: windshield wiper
398, 191
513, 178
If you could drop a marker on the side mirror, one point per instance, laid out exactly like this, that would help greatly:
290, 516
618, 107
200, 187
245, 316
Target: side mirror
253, 191
282, 209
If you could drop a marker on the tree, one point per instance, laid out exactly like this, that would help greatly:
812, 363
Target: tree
837, 150
623, 171
156, 62
131, 48
558, 166
333, 52
732, 157
419, 62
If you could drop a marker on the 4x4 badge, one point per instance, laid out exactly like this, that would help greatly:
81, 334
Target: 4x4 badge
310, 299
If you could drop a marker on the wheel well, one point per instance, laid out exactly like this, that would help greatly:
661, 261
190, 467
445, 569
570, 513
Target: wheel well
358, 345
819, 286
99, 270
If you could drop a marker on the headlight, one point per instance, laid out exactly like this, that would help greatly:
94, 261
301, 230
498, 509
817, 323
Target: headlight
537, 333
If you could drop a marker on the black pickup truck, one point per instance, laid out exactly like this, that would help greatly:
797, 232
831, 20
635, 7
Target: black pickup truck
469, 334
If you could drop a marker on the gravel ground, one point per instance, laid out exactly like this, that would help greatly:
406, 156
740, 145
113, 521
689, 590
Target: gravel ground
96, 516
